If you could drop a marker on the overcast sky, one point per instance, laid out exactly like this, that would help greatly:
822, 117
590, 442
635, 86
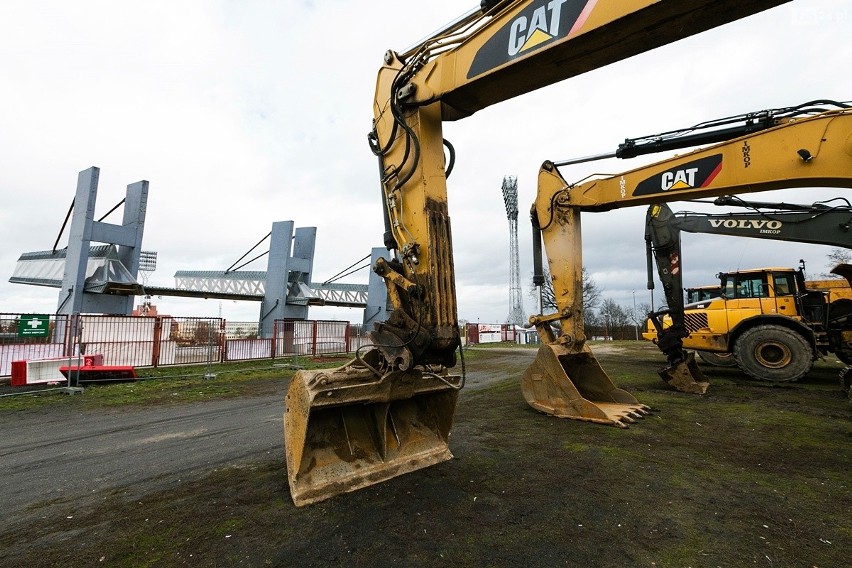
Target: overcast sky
244, 113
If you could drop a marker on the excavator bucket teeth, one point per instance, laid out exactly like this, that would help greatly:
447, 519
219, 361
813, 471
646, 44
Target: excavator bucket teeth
346, 428
571, 384
685, 376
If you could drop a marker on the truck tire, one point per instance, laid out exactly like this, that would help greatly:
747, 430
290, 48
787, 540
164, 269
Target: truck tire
718, 359
773, 353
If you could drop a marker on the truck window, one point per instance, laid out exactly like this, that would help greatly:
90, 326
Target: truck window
784, 285
702, 294
750, 286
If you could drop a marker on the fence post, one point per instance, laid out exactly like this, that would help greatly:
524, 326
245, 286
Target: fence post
222, 340
314, 340
346, 338
155, 349
274, 338
69, 330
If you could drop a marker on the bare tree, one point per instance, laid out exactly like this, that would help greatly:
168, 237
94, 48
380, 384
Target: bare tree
640, 313
591, 293
835, 257
615, 317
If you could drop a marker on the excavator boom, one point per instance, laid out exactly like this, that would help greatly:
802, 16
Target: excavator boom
821, 226
510, 48
806, 151
402, 415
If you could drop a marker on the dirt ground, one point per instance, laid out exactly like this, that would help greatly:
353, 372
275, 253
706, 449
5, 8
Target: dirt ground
750, 474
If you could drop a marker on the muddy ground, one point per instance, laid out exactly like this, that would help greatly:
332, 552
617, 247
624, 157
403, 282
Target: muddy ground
750, 474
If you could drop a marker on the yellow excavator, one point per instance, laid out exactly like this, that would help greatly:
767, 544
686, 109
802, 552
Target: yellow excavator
391, 409
808, 145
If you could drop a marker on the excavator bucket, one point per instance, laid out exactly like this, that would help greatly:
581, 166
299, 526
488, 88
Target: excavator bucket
570, 384
685, 376
348, 428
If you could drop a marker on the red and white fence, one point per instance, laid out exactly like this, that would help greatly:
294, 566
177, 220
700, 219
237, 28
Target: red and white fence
154, 341
476, 333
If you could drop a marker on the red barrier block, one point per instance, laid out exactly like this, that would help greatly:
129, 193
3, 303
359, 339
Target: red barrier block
98, 373
19, 373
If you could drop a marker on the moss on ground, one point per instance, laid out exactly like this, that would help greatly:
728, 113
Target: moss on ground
746, 475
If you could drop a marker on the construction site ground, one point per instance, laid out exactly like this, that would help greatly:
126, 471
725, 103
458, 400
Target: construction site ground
750, 474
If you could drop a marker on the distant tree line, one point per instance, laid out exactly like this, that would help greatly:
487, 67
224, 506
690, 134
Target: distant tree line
602, 317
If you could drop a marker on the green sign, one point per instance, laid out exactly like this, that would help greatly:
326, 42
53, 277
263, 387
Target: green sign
34, 326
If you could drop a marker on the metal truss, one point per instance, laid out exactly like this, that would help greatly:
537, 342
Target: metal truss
251, 285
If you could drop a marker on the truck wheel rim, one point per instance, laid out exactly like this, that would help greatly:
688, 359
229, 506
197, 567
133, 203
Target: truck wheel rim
773, 354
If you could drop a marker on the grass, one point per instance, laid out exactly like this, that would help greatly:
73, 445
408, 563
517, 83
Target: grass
747, 475
182, 384
172, 385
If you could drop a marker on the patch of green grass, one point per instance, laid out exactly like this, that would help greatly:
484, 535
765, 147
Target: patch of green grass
171, 385
231, 525
575, 447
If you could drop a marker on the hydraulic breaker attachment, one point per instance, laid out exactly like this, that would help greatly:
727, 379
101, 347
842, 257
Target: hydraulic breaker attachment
682, 371
568, 383
685, 375
351, 427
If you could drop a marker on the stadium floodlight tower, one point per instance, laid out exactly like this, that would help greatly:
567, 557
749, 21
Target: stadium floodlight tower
516, 303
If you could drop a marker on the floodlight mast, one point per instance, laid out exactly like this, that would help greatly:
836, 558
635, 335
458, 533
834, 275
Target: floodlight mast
516, 303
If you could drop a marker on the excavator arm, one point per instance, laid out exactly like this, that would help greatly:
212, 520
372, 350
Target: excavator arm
802, 151
390, 410
662, 243
818, 223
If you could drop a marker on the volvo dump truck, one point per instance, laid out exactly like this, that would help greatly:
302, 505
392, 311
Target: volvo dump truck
390, 410
771, 320
837, 288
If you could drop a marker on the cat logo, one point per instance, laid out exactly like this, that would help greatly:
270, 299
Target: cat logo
539, 23
528, 32
678, 179
692, 175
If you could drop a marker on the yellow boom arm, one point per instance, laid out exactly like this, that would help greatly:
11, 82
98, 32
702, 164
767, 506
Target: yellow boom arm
390, 411
813, 151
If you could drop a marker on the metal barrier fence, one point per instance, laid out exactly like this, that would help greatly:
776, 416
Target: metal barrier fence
24, 337
476, 333
294, 337
154, 341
